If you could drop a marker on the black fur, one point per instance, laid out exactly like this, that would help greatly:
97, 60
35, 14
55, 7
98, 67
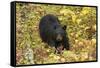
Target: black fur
53, 33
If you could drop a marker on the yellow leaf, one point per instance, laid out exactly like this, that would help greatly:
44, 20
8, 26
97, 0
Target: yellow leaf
74, 18
78, 20
94, 27
63, 59
85, 10
65, 11
94, 41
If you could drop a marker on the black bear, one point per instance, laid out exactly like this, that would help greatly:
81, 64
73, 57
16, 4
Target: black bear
52, 33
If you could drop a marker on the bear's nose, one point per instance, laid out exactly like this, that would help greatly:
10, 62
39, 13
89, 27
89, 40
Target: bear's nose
59, 37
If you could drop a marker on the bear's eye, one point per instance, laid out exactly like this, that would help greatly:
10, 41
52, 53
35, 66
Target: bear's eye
55, 27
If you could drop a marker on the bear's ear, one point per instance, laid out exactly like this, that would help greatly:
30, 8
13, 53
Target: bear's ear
64, 27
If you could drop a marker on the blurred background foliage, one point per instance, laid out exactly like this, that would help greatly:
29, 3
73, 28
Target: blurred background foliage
81, 29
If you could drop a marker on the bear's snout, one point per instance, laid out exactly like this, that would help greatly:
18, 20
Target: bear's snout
59, 37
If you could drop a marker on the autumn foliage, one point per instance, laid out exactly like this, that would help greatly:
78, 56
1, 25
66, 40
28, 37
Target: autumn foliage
81, 29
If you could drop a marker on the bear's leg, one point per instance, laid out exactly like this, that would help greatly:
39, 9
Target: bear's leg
66, 46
